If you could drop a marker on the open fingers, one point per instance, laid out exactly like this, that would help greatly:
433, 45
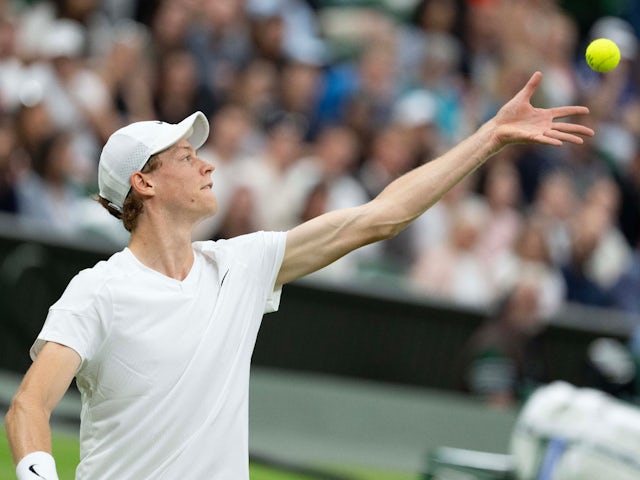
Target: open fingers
573, 128
563, 137
560, 112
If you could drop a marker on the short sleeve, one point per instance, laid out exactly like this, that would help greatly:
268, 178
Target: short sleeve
78, 319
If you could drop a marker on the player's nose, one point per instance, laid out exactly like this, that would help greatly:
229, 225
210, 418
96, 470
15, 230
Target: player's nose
206, 168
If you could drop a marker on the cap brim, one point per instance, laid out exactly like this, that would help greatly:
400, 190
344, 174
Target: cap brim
195, 128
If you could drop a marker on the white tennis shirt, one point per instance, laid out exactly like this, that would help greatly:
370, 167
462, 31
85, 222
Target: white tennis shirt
164, 376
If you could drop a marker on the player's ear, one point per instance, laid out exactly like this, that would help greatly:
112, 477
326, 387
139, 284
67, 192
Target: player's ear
141, 184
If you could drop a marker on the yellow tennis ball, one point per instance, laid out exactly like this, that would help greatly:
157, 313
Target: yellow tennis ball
603, 55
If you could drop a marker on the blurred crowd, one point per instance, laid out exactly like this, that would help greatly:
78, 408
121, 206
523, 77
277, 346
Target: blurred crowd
319, 105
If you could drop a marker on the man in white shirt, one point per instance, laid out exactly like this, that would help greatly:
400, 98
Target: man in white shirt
159, 337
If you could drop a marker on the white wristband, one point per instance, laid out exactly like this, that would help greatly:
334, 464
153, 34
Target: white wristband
37, 466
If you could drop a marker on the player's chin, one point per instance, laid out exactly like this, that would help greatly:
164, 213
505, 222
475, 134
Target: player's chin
211, 205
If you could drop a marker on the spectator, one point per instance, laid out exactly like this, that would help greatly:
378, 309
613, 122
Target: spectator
267, 27
434, 226
326, 182
33, 123
298, 93
267, 175
332, 161
530, 260
558, 47
220, 42
504, 360
416, 113
76, 98
587, 230
430, 21
169, 22
501, 191
556, 202
12, 75
361, 93
391, 156
46, 195
406, 90
240, 219
178, 91
256, 92
455, 270
612, 254
127, 73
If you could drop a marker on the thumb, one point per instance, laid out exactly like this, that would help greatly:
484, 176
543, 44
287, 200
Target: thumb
529, 89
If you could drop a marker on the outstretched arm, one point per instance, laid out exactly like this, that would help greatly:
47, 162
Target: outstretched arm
324, 239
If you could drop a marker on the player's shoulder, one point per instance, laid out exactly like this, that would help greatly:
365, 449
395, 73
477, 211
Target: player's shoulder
241, 244
90, 281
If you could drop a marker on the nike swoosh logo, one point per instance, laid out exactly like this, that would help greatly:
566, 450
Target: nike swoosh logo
32, 469
225, 276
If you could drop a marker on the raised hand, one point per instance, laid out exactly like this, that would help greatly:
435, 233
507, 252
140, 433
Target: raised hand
520, 122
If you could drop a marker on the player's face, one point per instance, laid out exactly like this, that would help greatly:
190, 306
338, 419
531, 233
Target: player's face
183, 182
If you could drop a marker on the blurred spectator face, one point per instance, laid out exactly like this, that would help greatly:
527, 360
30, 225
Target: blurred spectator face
393, 152
123, 58
556, 196
79, 10
126, 51
442, 58
284, 144
33, 125
7, 38
220, 14
483, 26
337, 149
466, 227
515, 70
604, 192
299, 87
268, 36
169, 24
561, 39
256, 86
243, 206
55, 161
438, 15
531, 244
239, 219
502, 188
377, 70
179, 75
229, 128
522, 308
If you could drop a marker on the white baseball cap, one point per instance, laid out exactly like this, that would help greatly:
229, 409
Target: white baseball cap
128, 149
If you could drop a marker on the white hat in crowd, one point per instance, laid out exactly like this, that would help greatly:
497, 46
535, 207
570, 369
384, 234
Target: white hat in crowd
127, 151
416, 108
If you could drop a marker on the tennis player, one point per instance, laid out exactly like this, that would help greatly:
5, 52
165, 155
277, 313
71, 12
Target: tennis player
159, 337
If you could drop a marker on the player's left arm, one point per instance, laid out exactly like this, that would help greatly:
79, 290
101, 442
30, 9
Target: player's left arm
322, 240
